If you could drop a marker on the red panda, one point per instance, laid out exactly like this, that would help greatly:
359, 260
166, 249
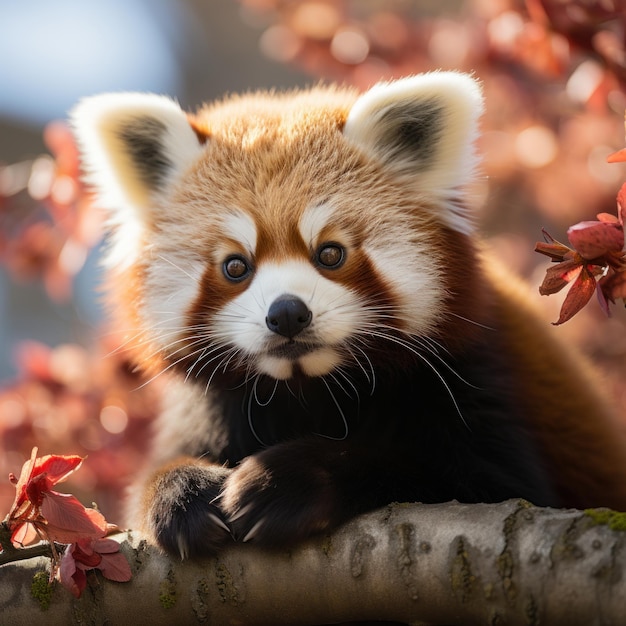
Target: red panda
303, 269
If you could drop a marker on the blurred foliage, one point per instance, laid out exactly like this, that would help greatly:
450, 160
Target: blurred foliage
554, 75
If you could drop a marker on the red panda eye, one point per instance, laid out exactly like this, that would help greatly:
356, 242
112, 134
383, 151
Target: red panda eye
236, 268
330, 255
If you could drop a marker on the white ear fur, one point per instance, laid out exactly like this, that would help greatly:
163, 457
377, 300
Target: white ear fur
132, 146
423, 127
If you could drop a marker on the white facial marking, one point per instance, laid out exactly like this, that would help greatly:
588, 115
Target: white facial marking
319, 362
313, 221
239, 226
280, 369
172, 285
415, 277
336, 314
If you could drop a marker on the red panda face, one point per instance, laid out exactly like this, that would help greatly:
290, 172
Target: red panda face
288, 285
308, 305
283, 235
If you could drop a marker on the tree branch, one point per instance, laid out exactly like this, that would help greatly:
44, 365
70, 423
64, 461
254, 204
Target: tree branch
10, 554
510, 563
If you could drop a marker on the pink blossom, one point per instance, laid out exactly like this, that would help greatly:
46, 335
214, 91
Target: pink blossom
39, 512
595, 262
87, 554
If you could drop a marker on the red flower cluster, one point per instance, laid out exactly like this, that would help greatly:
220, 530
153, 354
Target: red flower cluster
40, 513
596, 262
86, 554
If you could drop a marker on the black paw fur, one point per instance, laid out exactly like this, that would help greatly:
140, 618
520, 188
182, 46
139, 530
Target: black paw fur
279, 496
182, 513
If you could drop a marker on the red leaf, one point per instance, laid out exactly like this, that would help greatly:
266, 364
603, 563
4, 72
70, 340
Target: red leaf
579, 294
20, 486
617, 157
552, 248
57, 467
68, 520
613, 286
609, 218
25, 534
115, 567
86, 554
106, 546
36, 486
72, 578
621, 203
594, 239
98, 520
86, 560
559, 276
602, 299
37, 477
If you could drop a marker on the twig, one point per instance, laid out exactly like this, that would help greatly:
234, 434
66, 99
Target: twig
9, 553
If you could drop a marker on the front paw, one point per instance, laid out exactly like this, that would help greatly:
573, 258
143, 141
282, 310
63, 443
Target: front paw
280, 496
180, 510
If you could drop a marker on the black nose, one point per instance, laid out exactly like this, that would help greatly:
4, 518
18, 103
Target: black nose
288, 316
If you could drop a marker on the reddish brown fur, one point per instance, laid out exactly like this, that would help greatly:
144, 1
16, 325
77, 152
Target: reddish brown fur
565, 402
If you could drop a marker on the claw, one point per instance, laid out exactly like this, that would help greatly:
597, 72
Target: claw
219, 522
251, 534
217, 498
182, 547
240, 513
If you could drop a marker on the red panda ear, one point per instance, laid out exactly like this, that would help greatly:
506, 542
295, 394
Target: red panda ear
423, 127
133, 145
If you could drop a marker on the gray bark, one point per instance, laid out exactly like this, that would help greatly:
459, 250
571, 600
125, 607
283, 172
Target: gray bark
510, 563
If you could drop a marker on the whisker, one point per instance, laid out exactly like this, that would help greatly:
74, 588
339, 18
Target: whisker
345, 377
215, 369
221, 354
448, 366
372, 379
341, 413
252, 395
469, 321
256, 397
413, 349
160, 373
185, 272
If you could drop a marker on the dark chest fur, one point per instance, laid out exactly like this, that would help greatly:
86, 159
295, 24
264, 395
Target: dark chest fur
453, 429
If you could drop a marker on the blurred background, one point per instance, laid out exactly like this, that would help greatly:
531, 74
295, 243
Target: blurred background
554, 74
